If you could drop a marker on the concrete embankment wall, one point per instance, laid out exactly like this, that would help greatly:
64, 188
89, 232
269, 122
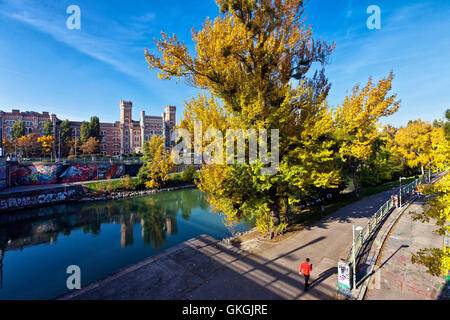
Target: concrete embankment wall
52, 173
39, 198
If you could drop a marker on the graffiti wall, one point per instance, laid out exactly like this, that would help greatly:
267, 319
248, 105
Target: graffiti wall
60, 173
3, 176
46, 197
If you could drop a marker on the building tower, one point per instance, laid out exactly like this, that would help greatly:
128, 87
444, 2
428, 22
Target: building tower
125, 125
169, 123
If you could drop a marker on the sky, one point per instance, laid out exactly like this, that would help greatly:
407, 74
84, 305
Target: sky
44, 66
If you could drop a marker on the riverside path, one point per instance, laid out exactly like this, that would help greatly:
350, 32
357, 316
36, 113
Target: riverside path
204, 268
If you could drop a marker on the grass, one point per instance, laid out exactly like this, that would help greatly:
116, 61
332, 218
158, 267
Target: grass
129, 183
100, 187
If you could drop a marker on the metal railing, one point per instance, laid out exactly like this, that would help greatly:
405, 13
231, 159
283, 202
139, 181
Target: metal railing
84, 160
374, 222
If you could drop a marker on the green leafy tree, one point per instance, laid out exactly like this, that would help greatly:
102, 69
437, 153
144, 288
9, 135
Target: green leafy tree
18, 130
85, 132
94, 128
66, 136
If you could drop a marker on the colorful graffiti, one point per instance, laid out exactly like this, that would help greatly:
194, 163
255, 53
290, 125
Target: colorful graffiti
39, 199
62, 173
3, 181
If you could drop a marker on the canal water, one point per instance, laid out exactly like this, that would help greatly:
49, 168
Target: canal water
37, 245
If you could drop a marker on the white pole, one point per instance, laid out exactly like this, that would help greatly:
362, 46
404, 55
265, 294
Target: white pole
400, 194
354, 262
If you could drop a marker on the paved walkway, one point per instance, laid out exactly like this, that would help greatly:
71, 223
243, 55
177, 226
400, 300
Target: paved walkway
40, 187
204, 268
396, 278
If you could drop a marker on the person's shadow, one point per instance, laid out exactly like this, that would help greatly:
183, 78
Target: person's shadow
323, 276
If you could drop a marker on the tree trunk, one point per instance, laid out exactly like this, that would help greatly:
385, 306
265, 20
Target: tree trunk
275, 212
355, 183
421, 168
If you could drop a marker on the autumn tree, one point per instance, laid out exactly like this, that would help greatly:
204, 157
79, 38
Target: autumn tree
8, 146
18, 130
46, 143
421, 144
357, 121
91, 146
436, 260
74, 145
28, 145
253, 61
158, 165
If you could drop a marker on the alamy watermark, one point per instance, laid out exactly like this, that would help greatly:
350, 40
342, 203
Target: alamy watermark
74, 280
235, 147
374, 21
74, 20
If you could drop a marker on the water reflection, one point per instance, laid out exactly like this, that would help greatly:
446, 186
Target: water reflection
156, 215
106, 235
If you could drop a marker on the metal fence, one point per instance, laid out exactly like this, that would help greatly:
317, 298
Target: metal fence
374, 222
85, 160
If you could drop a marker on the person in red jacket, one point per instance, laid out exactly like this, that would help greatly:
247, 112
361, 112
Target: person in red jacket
306, 269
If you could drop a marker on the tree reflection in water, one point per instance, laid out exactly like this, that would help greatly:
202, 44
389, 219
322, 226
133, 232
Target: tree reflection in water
156, 214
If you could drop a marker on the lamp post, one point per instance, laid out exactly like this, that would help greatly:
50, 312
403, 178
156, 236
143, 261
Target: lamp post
353, 255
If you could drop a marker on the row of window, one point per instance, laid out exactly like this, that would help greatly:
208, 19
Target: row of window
27, 123
27, 130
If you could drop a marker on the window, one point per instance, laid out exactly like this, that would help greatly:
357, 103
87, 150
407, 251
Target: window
104, 139
8, 129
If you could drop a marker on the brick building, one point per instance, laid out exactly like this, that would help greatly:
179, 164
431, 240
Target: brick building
121, 137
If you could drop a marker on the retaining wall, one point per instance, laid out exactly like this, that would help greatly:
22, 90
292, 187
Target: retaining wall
45, 173
39, 198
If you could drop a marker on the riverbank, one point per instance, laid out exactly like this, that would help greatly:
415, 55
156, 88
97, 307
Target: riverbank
207, 268
26, 197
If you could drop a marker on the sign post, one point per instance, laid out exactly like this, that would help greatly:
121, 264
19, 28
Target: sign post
344, 279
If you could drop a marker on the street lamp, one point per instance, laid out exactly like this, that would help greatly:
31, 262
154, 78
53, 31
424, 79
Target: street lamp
353, 255
400, 193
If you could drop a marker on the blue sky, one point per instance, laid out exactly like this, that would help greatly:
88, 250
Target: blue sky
79, 73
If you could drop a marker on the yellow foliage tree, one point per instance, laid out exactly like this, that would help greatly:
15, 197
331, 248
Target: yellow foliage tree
435, 259
158, 164
357, 121
420, 144
47, 143
8, 146
28, 145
